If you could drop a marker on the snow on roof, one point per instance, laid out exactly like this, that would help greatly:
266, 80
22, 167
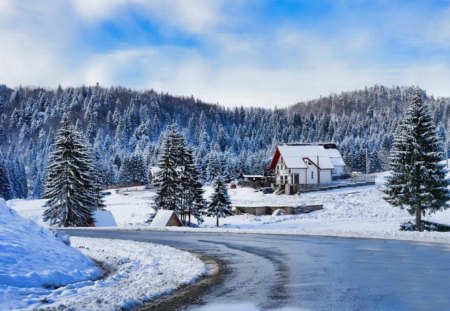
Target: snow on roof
161, 219
335, 157
293, 156
253, 176
104, 219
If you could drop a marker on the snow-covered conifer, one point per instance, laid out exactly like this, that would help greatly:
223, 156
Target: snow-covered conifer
69, 184
213, 169
191, 188
167, 178
220, 205
418, 180
133, 170
5, 187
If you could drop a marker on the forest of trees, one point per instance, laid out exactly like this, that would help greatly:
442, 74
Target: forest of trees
124, 128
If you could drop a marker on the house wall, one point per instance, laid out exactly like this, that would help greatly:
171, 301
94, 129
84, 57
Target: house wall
308, 176
325, 177
338, 170
174, 222
282, 172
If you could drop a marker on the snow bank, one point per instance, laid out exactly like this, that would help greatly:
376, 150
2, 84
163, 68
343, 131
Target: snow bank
31, 257
140, 272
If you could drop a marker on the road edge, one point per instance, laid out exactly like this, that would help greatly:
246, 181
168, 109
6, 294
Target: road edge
190, 293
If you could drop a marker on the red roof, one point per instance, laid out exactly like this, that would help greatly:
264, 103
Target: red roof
275, 158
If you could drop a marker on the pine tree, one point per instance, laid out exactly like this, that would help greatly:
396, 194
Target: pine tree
69, 184
220, 205
5, 187
167, 178
179, 185
213, 168
418, 180
191, 188
133, 170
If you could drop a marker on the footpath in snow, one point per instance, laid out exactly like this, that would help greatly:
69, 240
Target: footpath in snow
38, 270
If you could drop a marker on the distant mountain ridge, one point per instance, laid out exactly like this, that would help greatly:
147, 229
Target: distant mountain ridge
120, 122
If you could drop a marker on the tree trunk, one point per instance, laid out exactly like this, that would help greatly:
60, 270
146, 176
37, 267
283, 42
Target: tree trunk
419, 223
217, 221
189, 217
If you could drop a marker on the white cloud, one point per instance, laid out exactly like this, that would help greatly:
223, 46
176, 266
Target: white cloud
192, 16
278, 65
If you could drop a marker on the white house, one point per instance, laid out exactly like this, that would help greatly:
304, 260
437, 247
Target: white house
306, 164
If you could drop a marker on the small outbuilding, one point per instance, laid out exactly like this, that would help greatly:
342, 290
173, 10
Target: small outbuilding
165, 218
254, 181
104, 219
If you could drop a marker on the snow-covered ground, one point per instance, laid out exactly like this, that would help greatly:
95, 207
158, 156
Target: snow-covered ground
38, 270
351, 212
139, 272
32, 258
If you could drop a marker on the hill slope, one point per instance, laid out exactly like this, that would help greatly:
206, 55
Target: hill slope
120, 122
31, 256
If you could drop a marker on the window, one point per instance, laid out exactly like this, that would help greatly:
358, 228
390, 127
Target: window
312, 174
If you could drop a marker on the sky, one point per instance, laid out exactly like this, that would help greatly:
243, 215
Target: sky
262, 53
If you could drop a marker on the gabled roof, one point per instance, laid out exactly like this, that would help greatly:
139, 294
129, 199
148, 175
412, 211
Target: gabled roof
162, 218
294, 156
335, 157
104, 219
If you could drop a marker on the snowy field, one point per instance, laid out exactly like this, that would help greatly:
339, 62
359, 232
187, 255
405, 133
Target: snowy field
38, 270
349, 212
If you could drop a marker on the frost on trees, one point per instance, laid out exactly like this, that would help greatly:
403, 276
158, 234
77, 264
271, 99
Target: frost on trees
418, 180
179, 185
69, 185
122, 123
5, 188
220, 205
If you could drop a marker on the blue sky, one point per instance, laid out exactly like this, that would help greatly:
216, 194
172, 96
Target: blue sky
231, 52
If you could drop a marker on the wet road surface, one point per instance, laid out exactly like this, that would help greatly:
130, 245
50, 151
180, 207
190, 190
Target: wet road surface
315, 273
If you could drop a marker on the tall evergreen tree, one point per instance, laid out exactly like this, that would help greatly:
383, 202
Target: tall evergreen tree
179, 185
191, 188
220, 205
167, 178
69, 184
418, 180
133, 170
213, 168
5, 187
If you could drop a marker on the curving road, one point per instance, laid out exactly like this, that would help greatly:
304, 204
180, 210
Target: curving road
316, 273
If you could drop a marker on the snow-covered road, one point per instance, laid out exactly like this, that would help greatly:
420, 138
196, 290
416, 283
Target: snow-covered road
316, 273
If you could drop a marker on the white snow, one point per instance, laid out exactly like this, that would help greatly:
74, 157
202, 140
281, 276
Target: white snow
350, 212
31, 258
104, 219
140, 272
38, 270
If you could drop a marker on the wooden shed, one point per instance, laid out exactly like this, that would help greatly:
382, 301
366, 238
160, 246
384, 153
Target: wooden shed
165, 218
